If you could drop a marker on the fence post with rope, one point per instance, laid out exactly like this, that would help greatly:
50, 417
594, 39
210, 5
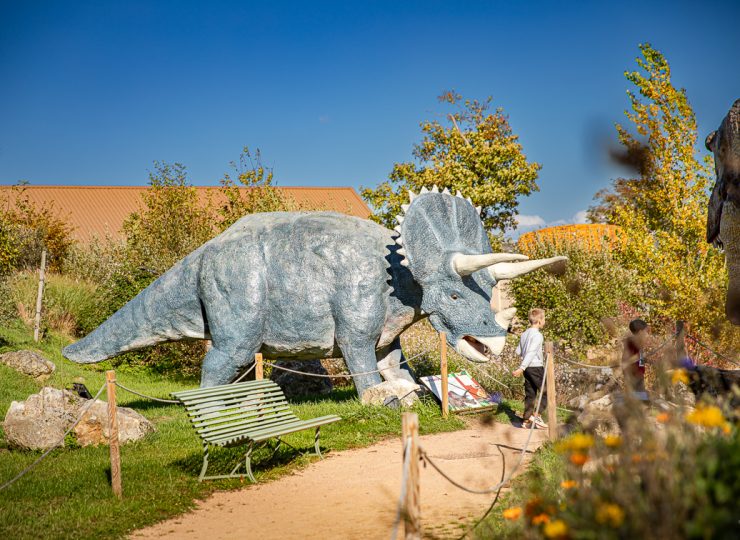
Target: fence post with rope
411, 507
258, 367
443, 374
114, 442
552, 405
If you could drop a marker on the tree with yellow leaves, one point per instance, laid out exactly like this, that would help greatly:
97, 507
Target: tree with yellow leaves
662, 210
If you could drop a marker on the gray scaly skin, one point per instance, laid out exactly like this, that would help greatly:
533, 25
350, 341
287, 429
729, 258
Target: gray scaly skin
723, 216
296, 285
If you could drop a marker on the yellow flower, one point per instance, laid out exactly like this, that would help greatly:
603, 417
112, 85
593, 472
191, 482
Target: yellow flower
612, 441
512, 513
556, 529
581, 441
680, 375
540, 519
578, 458
568, 484
663, 417
707, 416
610, 514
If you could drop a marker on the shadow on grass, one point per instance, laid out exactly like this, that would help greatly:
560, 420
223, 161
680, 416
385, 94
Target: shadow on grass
223, 460
338, 395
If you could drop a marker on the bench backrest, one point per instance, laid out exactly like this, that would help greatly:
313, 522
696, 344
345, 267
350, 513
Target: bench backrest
219, 410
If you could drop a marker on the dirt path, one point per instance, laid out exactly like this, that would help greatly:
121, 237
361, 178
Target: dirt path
353, 494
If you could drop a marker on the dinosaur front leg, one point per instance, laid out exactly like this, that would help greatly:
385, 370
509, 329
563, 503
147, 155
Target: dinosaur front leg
360, 358
389, 363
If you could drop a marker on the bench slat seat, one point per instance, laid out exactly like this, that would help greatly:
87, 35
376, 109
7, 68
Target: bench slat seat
248, 413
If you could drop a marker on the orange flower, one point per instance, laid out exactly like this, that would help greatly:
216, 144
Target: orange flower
578, 459
540, 519
636, 458
512, 513
726, 428
568, 484
663, 417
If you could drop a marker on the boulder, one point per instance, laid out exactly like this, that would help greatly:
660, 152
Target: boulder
298, 386
597, 416
29, 363
404, 390
39, 422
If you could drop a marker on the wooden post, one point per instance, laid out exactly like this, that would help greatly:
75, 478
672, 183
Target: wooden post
681, 329
412, 510
552, 405
443, 374
258, 371
115, 449
42, 274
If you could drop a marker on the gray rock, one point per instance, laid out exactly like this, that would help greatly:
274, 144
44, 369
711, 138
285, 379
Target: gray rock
29, 363
297, 386
39, 422
404, 390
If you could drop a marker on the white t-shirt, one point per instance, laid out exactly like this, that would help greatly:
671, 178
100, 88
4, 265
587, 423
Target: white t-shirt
530, 348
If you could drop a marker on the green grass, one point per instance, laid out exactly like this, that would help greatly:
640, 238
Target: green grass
68, 495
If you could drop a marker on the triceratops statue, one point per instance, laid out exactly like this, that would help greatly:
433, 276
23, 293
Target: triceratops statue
298, 285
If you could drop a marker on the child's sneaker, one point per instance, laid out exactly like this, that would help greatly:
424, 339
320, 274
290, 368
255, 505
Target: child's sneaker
539, 422
527, 424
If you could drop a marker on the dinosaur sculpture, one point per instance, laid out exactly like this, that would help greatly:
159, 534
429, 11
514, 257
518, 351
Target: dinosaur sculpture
723, 216
312, 285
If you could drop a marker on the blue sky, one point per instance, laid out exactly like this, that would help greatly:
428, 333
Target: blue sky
333, 93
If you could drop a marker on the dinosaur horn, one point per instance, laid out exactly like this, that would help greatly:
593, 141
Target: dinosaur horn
468, 264
506, 270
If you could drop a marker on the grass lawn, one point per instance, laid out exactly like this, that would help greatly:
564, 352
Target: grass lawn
68, 495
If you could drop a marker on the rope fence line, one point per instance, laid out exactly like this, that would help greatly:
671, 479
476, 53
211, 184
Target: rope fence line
345, 375
708, 348
505, 480
58, 444
119, 385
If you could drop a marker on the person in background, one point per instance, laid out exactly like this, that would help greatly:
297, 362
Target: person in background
633, 359
533, 369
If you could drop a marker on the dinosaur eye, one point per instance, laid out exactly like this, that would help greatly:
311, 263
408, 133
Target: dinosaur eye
454, 296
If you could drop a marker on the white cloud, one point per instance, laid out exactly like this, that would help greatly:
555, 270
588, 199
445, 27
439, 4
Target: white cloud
580, 217
524, 221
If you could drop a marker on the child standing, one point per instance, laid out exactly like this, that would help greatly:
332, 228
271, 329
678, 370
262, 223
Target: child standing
533, 368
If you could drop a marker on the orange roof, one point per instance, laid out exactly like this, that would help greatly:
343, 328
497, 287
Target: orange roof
101, 210
590, 235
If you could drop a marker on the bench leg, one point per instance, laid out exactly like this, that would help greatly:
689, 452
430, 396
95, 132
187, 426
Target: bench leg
248, 462
205, 463
316, 443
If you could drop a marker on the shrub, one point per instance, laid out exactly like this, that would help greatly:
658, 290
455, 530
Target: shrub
69, 306
579, 298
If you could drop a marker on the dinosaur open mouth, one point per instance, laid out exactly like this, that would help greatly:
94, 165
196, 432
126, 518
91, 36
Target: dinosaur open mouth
477, 345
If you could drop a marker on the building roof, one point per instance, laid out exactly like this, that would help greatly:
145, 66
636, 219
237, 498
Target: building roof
100, 210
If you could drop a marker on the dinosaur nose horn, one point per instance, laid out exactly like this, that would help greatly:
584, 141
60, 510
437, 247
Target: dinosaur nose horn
469, 264
512, 270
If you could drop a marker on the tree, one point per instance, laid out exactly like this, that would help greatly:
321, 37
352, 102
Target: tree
476, 153
262, 195
662, 210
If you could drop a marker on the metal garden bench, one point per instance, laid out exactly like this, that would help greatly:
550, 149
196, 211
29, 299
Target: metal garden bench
248, 413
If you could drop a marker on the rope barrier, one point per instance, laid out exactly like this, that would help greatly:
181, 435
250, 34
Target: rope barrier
59, 443
504, 481
145, 396
404, 482
715, 353
342, 376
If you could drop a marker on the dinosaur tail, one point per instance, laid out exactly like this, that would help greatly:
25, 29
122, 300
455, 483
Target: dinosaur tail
168, 310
